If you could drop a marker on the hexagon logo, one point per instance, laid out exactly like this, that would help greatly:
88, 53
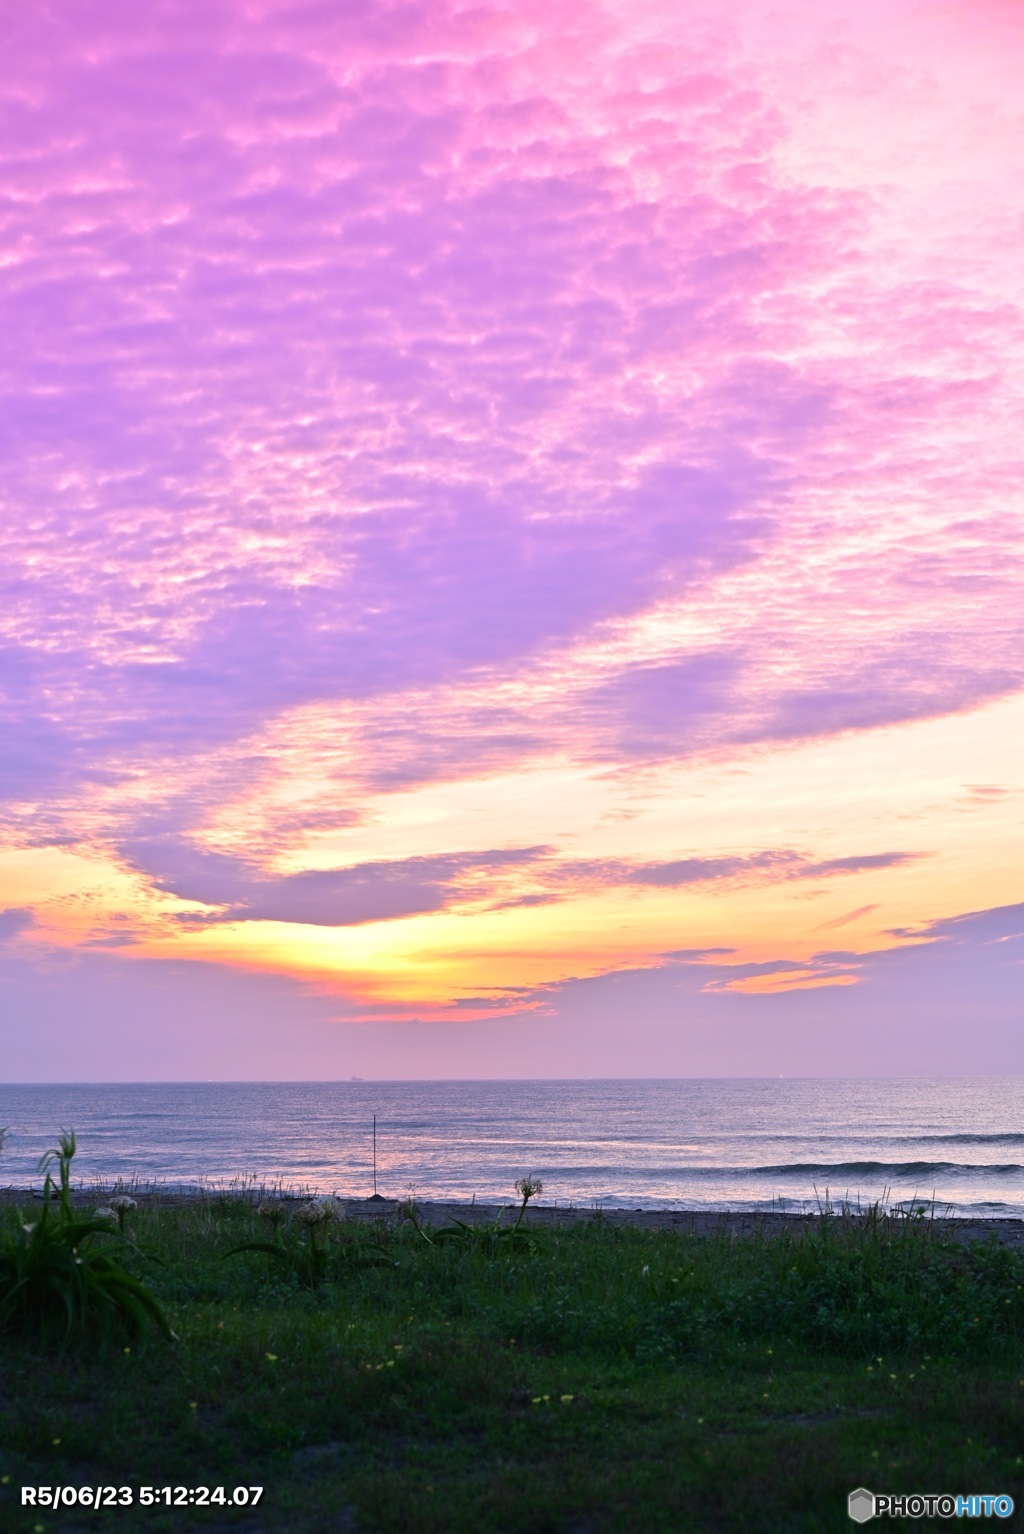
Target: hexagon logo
861, 1505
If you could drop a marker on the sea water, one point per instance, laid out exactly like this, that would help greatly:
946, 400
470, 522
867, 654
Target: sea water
687, 1144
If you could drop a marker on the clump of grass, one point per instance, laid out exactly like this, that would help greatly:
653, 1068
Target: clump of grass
304, 1248
492, 1238
859, 1283
854, 1285
60, 1277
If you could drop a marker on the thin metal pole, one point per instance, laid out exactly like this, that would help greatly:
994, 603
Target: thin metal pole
375, 1155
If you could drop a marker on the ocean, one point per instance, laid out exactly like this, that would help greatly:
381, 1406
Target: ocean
689, 1144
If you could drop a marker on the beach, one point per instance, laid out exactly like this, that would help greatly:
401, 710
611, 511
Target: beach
433, 1214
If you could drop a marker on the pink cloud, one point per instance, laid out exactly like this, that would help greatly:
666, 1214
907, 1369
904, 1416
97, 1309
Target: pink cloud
302, 374
401, 359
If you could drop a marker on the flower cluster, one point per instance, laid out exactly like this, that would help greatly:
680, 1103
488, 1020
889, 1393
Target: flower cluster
116, 1208
317, 1211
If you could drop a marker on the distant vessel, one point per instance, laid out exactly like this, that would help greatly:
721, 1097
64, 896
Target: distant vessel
356, 1078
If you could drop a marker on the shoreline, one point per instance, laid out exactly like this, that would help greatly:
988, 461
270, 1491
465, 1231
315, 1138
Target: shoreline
1007, 1230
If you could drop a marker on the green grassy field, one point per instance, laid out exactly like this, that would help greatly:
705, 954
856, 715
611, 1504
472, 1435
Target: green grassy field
589, 1379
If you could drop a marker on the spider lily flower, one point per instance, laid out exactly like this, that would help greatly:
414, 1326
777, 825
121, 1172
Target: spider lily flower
316, 1212
527, 1188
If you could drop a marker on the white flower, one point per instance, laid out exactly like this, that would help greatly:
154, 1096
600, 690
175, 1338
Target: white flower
316, 1212
123, 1202
105, 1214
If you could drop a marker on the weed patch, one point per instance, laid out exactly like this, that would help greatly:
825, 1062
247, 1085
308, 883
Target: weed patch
594, 1377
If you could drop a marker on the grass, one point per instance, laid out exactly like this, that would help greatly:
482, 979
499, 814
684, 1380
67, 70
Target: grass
590, 1380
60, 1273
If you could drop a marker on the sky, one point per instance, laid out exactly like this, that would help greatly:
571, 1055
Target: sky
510, 538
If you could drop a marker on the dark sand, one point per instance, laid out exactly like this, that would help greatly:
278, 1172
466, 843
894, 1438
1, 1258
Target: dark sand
697, 1222
1008, 1232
